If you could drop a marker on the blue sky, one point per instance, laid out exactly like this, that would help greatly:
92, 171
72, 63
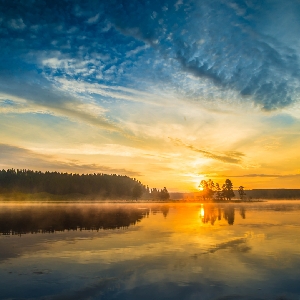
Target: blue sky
166, 91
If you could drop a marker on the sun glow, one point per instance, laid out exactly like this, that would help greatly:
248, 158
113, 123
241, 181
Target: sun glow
196, 180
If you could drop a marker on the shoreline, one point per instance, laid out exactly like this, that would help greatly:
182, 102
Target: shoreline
77, 198
86, 201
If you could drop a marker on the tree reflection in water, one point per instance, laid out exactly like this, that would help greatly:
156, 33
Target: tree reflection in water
16, 220
229, 214
210, 214
54, 218
164, 209
243, 212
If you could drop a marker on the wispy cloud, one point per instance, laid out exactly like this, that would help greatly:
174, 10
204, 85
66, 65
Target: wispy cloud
239, 57
93, 19
229, 157
50, 100
21, 158
158, 39
107, 91
257, 175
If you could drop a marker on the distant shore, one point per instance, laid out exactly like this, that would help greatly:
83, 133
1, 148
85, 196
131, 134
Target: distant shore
78, 198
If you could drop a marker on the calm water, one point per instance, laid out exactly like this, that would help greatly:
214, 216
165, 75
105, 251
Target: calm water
150, 251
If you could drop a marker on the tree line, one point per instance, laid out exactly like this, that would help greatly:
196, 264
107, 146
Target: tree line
103, 186
210, 190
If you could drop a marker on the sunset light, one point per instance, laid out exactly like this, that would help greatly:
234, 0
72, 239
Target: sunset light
87, 92
149, 149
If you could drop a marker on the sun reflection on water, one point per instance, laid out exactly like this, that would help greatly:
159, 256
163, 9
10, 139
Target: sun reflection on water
158, 247
201, 214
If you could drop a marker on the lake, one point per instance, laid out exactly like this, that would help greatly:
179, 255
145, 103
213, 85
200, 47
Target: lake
150, 251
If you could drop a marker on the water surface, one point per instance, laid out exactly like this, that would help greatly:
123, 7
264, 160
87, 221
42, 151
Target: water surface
150, 251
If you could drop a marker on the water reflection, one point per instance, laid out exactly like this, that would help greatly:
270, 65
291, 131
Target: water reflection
243, 212
229, 214
167, 255
164, 209
54, 218
210, 213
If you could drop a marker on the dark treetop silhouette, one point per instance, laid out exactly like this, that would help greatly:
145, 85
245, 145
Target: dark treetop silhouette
209, 189
101, 185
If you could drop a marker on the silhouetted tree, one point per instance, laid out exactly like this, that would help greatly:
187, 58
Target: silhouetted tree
203, 186
137, 191
227, 189
164, 194
219, 195
154, 194
211, 189
207, 189
241, 192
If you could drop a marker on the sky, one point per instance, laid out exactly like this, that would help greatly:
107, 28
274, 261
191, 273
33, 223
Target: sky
168, 92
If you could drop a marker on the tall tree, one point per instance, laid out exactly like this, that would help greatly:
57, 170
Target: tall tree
219, 195
227, 189
241, 192
211, 189
137, 191
164, 194
207, 189
203, 186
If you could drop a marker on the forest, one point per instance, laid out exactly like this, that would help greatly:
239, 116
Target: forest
103, 186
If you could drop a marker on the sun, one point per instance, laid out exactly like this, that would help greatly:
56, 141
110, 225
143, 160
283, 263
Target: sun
196, 179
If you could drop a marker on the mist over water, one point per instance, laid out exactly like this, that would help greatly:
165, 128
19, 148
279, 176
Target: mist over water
150, 251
